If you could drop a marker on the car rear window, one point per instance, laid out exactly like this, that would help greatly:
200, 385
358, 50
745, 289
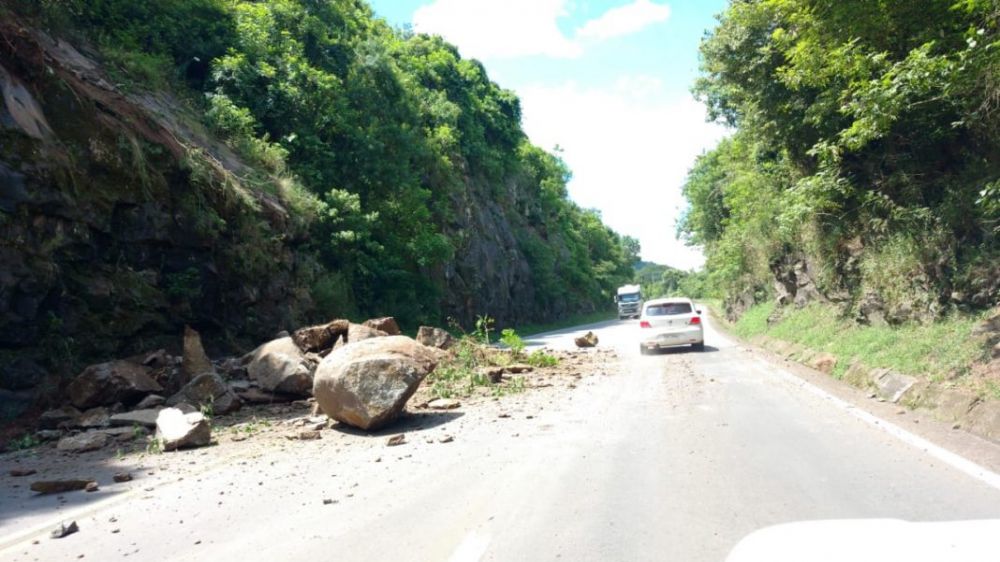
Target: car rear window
668, 309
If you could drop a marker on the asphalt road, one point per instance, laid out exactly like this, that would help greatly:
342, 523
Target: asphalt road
678, 456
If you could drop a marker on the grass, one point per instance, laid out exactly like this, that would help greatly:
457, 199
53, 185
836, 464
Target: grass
569, 322
937, 351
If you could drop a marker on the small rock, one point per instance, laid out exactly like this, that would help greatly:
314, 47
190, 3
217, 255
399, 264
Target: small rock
58, 486
587, 340
149, 402
18, 472
446, 439
435, 337
308, 435
956, 426
387, 324
157, 359
327, 501
395, 440
64, 530
518, 368
179, 430
444, 404
49, 434
91, 487
900, 412
122, 477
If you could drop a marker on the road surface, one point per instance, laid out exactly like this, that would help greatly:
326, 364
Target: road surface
676, 456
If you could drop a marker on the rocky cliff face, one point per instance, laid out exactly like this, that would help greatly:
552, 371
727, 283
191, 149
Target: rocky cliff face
120, 221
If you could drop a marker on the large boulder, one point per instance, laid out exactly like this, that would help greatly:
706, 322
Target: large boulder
208, 389
361, 332
177, 430
107, 383
281, 366
322, 337
366, 384
387, 324
435, 337
195, 361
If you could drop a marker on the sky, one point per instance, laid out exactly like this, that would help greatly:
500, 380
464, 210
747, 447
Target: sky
608, 82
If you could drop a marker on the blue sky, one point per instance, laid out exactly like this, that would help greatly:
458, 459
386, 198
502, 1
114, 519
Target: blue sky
606, 80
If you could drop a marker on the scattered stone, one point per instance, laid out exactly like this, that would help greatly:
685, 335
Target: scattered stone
107, 383
518, 368
494, 374
144, 418
64, 530
59, 486
94, 417
52, 419
321, 338
387, 324
435, 337
280, 366
195, 361
327, 501
395, 440
122, 477
307, 435
366, 384
18, 472
149, 402
891, 386
444, 404
446, 439
587, 340
208, 389
178, 430
83, 442
956, 426
91, 487
824, 362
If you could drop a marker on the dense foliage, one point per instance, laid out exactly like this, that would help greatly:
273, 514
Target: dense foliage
665, 281
380, 137
865, 148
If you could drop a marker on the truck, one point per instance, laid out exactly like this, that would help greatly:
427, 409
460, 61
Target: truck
629, 299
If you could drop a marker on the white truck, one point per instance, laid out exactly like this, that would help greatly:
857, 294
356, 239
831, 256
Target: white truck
629, 299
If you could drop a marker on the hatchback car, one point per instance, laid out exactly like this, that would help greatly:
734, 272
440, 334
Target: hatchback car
669, 323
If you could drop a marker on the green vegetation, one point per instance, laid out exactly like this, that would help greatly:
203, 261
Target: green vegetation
664, 281
378, 141
865, 150
939, 350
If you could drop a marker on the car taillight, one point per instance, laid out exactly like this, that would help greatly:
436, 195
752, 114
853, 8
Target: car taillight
645, 324
695, 320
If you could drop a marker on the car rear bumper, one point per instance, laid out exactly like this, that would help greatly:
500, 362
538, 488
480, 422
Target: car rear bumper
672, 338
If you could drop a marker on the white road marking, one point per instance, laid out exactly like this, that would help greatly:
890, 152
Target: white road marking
956, 461
471, 549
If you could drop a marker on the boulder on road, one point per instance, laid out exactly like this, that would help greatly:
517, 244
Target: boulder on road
366, 384
587, 340
208, 389
435, 337
107, 383
83, 442
322, 337
387, 324
281, 366
178, 430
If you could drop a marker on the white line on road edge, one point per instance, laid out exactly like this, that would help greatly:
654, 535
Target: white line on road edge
471, 549
958, 462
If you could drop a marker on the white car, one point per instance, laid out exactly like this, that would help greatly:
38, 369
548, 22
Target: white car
668, 323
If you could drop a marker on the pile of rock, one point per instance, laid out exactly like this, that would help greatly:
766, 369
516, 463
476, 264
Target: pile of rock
361, 374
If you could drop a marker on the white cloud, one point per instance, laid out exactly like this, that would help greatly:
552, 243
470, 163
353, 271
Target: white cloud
625, 20
497, 29
630, 147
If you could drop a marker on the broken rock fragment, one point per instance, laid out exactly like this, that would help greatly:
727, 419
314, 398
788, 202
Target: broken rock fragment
178, 430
